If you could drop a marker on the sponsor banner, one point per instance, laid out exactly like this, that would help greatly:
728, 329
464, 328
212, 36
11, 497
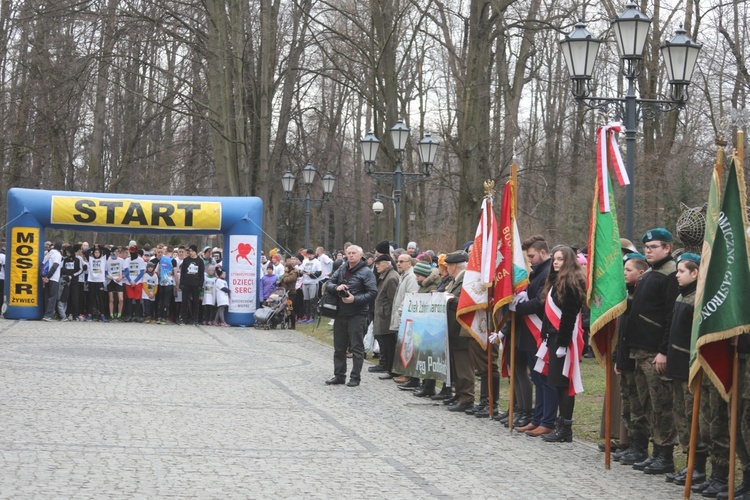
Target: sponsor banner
22, 262
422, 343
243, 273
133, 213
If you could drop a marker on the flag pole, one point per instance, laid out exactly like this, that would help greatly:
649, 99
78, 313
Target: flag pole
697, 383
608, 398
512, 343
488, 192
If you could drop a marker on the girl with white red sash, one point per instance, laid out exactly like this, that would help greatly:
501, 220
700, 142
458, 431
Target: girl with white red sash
565, 292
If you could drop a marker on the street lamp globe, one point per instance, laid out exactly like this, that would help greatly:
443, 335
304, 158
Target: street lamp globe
427, 150
580, 48
308, 174
370, 145
328, 182
399, 135
287, 181
631, 30
680, 55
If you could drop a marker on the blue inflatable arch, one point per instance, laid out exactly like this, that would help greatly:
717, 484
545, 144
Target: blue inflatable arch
30, 211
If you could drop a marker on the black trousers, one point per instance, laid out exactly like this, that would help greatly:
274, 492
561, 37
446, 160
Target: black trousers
387, 345
349, 331
191, 297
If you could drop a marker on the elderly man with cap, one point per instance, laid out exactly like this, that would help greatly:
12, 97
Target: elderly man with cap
648, 337
407, 284
458, 338
354, 284
387, 282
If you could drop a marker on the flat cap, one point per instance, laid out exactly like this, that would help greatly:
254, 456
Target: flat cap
383, 258
456, 257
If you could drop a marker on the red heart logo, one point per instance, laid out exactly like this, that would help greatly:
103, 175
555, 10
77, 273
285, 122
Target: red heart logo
244, 249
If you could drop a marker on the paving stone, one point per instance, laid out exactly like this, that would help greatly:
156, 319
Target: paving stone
151, 411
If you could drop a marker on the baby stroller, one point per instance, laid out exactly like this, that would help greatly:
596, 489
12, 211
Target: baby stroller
274, 311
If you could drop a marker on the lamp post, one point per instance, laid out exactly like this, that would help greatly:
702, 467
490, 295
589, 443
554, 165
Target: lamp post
631, 31
398, 179
308, 176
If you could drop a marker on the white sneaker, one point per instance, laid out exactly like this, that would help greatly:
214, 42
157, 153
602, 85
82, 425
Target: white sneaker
330, 323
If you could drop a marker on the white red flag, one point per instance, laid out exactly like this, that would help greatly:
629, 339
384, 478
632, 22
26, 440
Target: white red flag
479, 276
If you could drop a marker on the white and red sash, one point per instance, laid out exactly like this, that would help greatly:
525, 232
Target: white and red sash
571, 367
534, 324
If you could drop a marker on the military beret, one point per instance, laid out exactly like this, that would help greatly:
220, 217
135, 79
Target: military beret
456, 257
383, 258
693, 257
383, 247
657, 234
422, 269
633, 255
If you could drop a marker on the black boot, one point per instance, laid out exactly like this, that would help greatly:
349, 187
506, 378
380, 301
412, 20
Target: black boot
742, 492
701, 487
444, 393
699, 471
563, 432
483, 396
664, 461
638, 451
525, 418
485, 413
516, 411
427, 389
648, 461
719, 481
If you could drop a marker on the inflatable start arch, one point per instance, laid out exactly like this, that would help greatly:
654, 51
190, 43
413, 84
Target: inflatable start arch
30, 211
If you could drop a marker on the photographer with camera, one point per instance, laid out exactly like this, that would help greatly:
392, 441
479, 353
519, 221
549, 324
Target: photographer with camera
354, 284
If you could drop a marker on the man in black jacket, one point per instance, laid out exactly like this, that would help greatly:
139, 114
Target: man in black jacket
191, 282
355, 285
648, 336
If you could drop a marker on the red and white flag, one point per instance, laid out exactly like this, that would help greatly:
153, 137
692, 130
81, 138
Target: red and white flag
478, 278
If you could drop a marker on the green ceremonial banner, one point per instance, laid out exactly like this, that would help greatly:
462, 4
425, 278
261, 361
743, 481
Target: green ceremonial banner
721, 300
422, 343
606, 293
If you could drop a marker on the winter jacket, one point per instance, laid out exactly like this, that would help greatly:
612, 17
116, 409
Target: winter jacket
387, 287
681, 326
534, 305
361, 282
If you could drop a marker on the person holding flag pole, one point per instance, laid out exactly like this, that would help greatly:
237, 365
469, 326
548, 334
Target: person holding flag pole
721, 315
475, 303
511, 277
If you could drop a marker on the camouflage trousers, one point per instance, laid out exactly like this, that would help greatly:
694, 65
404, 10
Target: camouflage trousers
655, 394
714, 423
743, 414
633, 414
683, 415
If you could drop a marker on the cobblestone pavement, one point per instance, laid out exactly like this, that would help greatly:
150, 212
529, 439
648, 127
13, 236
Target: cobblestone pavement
143, 411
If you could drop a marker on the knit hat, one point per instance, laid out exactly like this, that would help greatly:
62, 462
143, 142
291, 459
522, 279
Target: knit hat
411, 244
193, 248
133, 248
151, 265
383, 247
441, 261
422, 269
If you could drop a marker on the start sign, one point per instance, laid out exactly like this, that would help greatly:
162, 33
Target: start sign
22, 263
131, 213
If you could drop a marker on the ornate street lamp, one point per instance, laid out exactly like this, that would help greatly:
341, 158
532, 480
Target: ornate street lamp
308, 176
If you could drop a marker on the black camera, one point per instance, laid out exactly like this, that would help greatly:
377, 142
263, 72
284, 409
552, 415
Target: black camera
343, 293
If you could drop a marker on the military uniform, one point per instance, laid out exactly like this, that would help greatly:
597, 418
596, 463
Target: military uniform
648, 335
458, 341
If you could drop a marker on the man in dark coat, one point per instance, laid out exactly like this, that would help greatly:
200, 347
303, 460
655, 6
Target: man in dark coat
387, 285
354, 284
458, 338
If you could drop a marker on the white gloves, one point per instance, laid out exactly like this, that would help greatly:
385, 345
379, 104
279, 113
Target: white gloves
521, 297
561, 352
496, 338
